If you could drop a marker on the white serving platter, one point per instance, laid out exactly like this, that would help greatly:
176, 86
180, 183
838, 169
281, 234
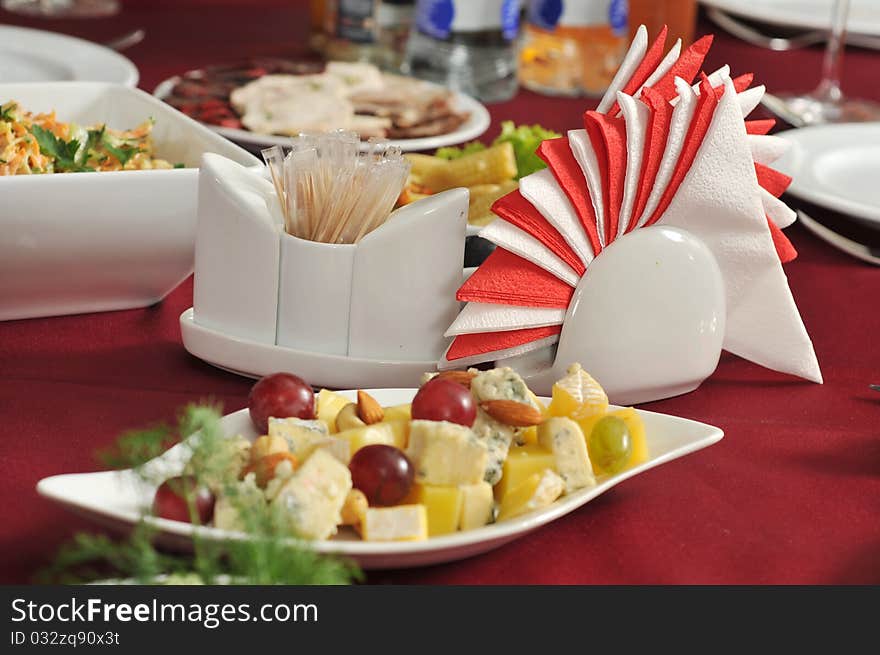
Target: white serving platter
117, 499
837, 167
477, 123
38, 56
88, 242
864, 17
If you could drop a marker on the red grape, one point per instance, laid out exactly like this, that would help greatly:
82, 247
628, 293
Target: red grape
170, 501
444, 400
280, 395
384, 473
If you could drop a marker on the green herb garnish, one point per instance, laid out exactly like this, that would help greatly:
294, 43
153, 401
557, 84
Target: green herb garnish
180, 165
453, 152
6, 112
267, 556
62, 152
123, 152
525, 140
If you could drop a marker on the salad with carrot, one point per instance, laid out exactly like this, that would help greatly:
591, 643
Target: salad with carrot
39, 143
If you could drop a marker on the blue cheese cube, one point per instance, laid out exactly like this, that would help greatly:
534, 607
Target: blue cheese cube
501, 384
302, 436
565, 439
497, 437
312, 499
240, 499
446, 453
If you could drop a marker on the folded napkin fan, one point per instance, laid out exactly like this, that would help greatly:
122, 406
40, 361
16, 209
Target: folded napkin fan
659, 149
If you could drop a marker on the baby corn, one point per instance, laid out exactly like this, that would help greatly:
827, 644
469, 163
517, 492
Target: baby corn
482, 197
490, 166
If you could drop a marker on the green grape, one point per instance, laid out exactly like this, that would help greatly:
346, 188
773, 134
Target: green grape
610, 445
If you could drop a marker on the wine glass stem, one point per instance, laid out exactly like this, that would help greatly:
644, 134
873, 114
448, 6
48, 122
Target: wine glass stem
829, 87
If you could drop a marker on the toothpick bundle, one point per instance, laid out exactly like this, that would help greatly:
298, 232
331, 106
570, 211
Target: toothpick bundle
333, 192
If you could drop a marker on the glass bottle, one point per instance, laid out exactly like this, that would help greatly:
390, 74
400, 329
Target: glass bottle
573, 47
467, 45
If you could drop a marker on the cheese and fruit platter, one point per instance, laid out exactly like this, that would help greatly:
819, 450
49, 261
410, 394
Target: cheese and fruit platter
390, 477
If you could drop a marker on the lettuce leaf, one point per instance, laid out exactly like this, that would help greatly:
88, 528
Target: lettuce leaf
525, 140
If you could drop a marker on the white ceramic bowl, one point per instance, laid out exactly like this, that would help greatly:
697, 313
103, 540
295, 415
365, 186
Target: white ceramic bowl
86, 242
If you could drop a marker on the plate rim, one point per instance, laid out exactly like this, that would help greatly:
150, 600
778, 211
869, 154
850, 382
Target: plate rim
480, 117
129, 73
486, 535
800, 188
779, 16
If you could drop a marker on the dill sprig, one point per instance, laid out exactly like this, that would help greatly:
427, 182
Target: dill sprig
266, 554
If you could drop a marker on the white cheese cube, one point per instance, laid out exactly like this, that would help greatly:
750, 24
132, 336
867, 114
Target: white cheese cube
477, 507
446, 453
313, 498
565, 439
302, 436
400, 523
340, 448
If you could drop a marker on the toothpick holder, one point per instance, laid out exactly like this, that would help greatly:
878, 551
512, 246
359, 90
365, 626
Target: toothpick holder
389, 297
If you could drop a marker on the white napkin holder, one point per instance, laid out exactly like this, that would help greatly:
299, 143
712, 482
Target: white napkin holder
388, 297
647, 320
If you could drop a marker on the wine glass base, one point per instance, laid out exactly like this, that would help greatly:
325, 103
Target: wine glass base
807, 109
62, 8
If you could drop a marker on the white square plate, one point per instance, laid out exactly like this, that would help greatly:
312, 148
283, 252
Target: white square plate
117, 499
86, 242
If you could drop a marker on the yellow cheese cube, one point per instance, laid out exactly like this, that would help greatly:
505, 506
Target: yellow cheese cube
399, 413
400, 430
443, 504
636, 432
400, 523
477, 505
537, 491
526, 436
521, 462
370, 434
328, 405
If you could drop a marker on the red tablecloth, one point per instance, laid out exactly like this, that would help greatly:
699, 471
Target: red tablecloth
791, 495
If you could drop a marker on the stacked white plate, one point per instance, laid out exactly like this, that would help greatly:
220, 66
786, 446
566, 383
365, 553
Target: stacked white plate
38, 56
836, 167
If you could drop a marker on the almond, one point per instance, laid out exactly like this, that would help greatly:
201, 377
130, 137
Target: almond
461, 377
511, 412
368, 409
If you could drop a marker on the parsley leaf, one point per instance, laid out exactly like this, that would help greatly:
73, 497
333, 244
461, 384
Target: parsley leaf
6, 112
63, 152
123, 152
92, 142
